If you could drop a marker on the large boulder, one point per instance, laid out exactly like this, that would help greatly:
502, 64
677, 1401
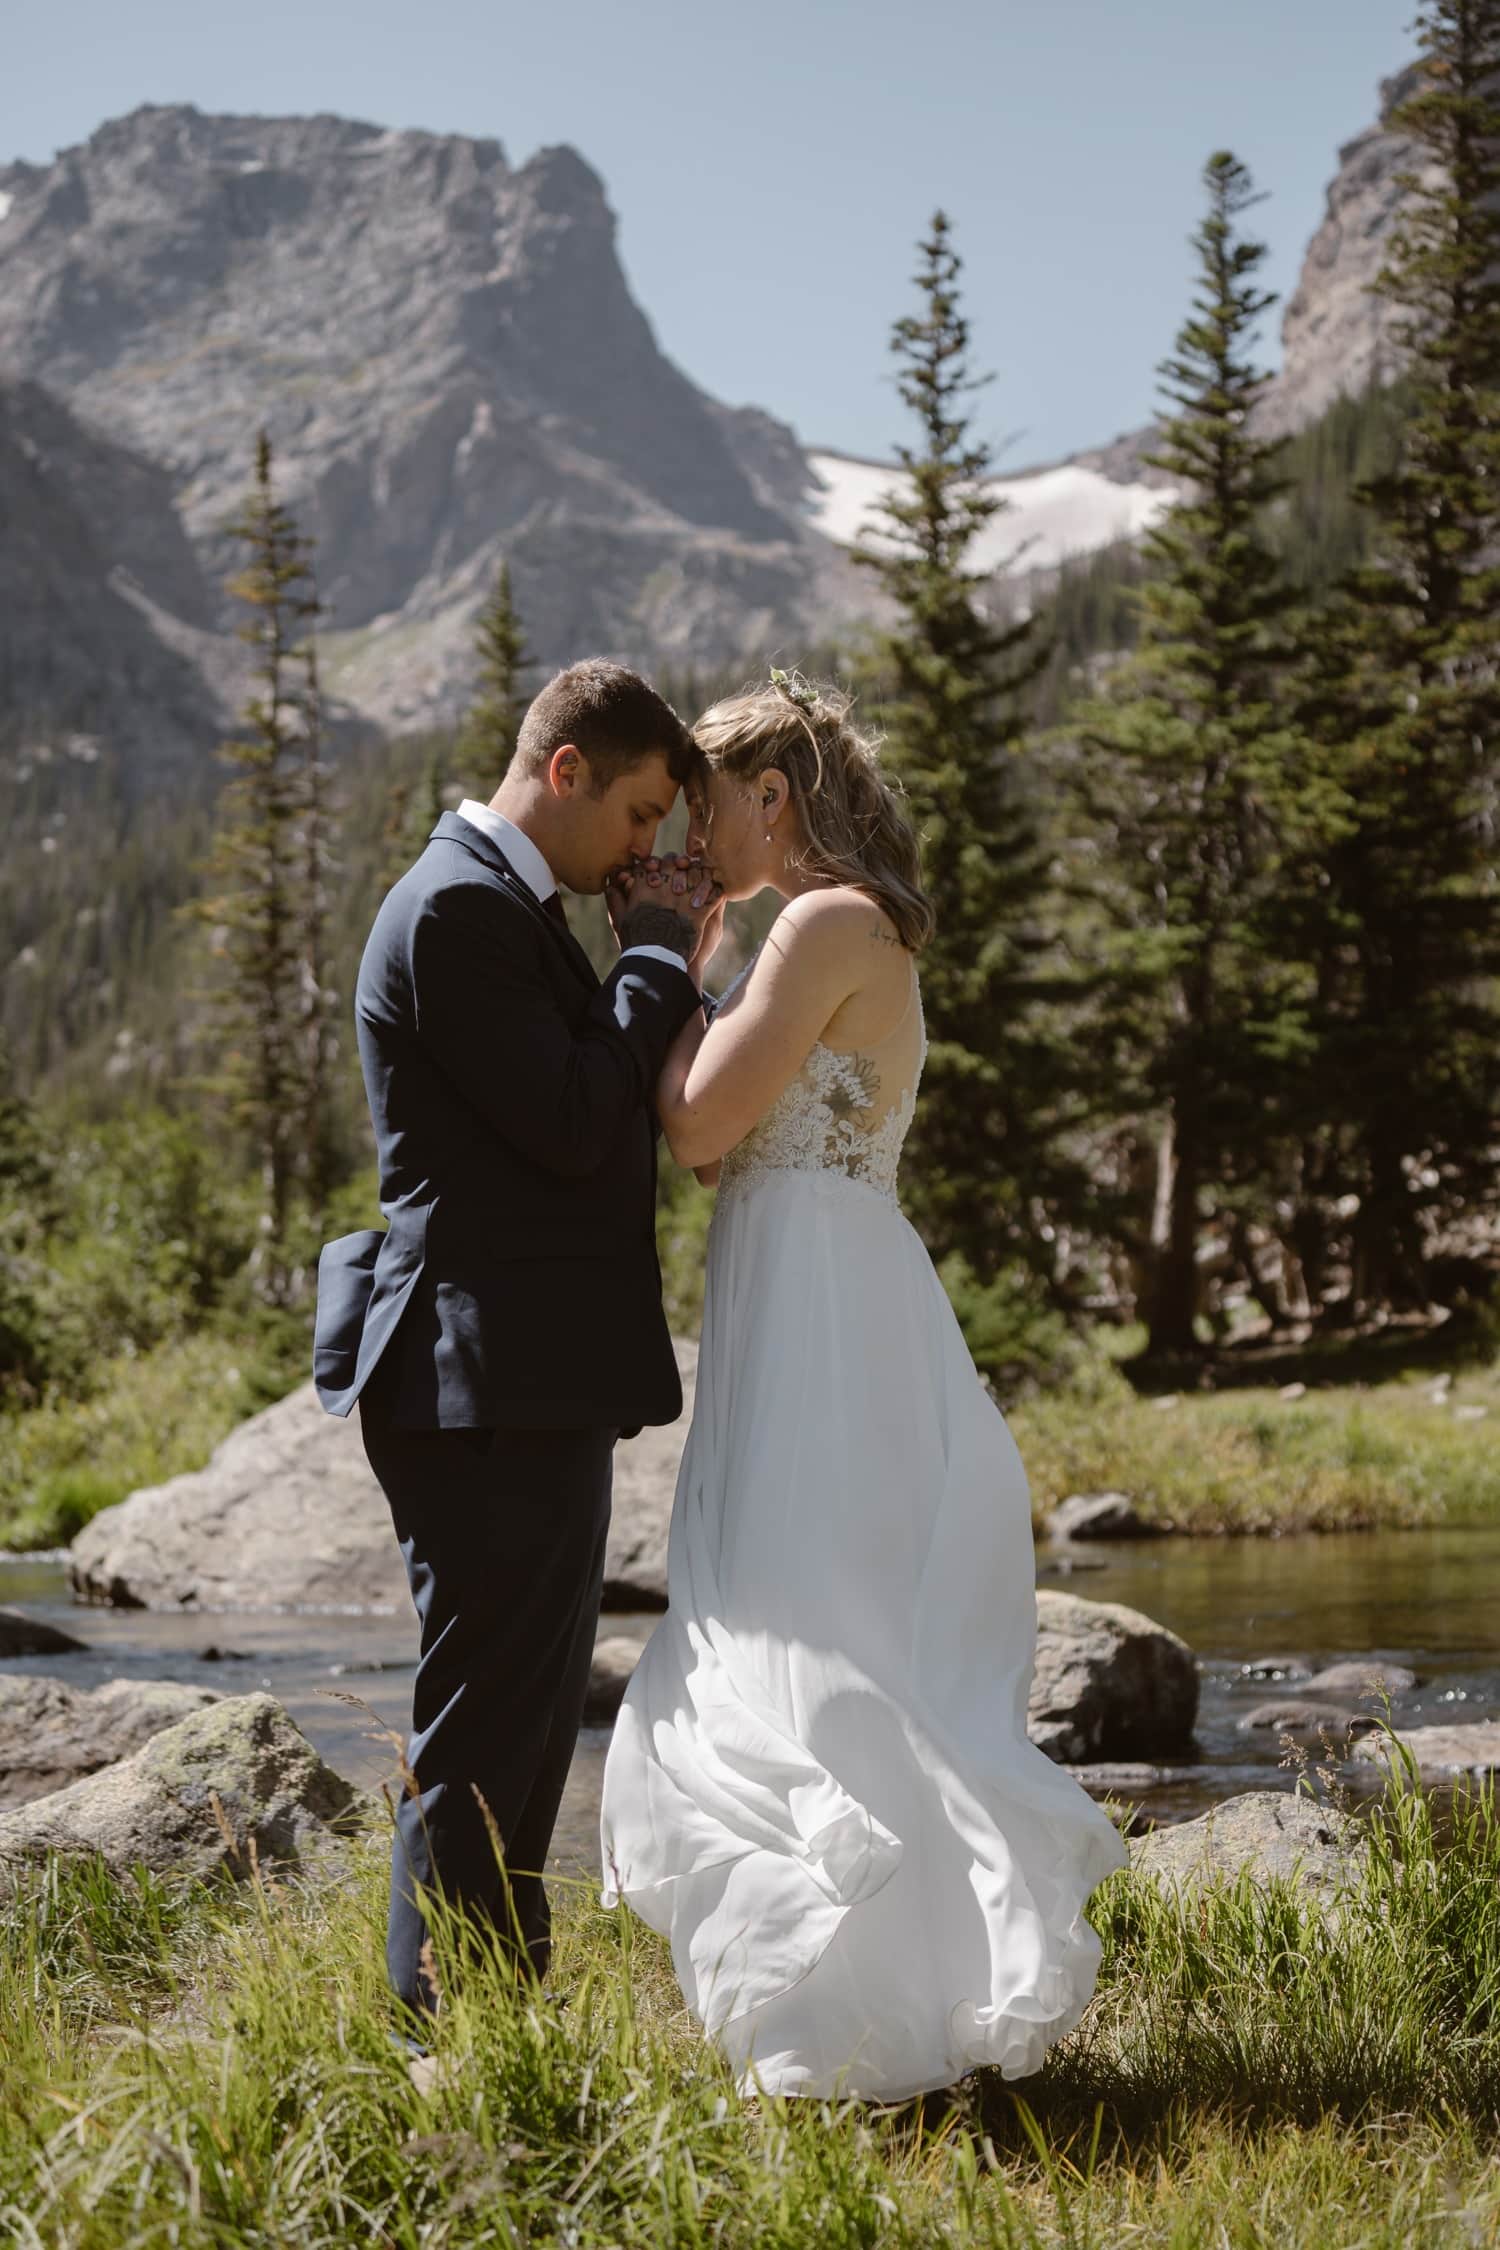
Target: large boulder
635, 1562
1441, 1753
1109, 1683
1265, 1833
52, 1733
287, 1515
21, 1635
193, 1799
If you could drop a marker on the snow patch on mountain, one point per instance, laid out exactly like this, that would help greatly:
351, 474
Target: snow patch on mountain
1047, 516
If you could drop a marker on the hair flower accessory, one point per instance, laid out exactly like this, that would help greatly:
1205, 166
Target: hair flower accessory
794, 688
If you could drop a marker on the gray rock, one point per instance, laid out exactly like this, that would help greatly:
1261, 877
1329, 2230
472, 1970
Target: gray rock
1109, 1683
1099, 1515
1441, 1753
1308, 1722
90, 671
402, 309
287, 1515
1336, 334
1359, 1675
158, 1806
615, 1658
645, 1482
1265, 1833
21, 1635
52, 1733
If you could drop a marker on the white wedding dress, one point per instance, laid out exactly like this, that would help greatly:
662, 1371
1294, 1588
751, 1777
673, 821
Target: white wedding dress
820, 1786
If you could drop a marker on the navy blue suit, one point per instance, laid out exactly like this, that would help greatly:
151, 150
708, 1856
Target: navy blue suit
499, 1335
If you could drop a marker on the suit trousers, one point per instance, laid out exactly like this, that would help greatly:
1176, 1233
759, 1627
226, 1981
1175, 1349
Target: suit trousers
503, 1535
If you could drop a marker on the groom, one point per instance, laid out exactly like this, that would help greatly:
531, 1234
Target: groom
507, 1326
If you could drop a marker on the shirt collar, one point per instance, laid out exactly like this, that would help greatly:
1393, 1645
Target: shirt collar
517, 846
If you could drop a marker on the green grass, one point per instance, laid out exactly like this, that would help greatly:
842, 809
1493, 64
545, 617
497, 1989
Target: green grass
151, 1416
200, 2067
1341, 1458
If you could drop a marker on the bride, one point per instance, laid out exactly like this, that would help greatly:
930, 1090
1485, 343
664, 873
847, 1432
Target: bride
820, 1786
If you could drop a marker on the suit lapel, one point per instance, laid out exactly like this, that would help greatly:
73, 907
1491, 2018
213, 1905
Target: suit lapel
453, 828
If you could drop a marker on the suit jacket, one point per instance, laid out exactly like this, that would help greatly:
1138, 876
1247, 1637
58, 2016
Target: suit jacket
516, 1282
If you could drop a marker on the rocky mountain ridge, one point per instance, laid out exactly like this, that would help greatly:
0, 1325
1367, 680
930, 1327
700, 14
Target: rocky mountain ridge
450, 362
452, 368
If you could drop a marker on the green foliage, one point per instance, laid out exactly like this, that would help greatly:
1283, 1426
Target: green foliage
1402, 693
139, 1419
1321, 526
494, 717
1191, 789
683, 1212
1018, 1337
120, 1235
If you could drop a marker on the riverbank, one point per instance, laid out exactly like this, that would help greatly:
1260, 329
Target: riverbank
213, 2069
1414, 1449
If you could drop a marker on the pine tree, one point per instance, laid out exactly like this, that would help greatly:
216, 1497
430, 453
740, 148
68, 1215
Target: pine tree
319, 1044
983, 1149
260, 865
494, 718
1191, 787
1404, 688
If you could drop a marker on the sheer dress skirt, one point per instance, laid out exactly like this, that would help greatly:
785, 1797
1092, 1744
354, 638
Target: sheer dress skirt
820, 1787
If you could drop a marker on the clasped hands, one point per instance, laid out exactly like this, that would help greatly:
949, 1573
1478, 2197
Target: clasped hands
672, 900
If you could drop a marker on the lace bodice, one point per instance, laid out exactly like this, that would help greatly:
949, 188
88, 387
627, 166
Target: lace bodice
845, 1113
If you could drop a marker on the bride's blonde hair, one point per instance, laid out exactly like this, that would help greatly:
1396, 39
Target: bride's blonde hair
853, 818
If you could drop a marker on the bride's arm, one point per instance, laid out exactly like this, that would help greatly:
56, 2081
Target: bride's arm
680, 1056
720, 1078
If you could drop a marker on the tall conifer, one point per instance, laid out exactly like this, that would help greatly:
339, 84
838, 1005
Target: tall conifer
1405, 689
259, 905
984, 1139
494, 717
1191, 786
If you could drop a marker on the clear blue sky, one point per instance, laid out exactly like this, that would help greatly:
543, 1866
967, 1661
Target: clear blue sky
772, 163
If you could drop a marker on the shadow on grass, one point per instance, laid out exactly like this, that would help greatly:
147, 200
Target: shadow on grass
1468, 1338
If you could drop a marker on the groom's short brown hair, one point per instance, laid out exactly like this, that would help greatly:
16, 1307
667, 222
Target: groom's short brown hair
612, 715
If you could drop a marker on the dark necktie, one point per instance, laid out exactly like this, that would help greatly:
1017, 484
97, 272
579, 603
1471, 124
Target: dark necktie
554, 906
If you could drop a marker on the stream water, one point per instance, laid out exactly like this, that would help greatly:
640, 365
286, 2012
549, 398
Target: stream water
1429, 1600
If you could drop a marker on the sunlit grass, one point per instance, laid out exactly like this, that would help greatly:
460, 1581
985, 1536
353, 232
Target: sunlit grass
1343, 1458
194, 2066
151, 1416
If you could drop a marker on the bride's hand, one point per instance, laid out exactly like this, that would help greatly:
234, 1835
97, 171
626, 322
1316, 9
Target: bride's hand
709, 937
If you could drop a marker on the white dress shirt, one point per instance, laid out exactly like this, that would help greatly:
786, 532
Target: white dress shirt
528, 863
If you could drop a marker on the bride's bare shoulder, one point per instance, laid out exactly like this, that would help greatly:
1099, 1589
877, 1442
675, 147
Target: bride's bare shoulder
837, 917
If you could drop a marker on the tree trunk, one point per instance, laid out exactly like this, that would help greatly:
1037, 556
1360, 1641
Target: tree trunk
1174, 1297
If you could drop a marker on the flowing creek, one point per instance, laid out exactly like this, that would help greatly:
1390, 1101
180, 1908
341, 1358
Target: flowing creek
1424, 1599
